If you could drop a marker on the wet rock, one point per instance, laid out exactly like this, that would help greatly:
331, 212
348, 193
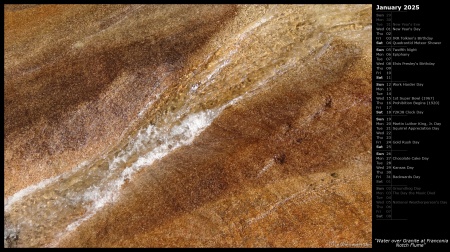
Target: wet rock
287, 90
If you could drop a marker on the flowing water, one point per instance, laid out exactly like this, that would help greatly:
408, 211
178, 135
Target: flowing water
245, 61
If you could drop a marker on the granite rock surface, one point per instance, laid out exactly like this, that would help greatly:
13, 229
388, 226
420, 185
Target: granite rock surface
188, 126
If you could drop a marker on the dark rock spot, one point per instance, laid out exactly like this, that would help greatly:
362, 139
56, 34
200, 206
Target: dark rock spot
285, 128
280, 158
334, 175
328, 102
11, 240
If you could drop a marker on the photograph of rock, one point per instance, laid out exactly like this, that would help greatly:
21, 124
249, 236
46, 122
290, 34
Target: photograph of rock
188, 125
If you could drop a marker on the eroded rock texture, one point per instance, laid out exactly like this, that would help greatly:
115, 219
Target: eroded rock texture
187, 125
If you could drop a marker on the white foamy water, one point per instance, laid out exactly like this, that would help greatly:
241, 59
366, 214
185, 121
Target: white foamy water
33, 188
88, 188
179, 135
